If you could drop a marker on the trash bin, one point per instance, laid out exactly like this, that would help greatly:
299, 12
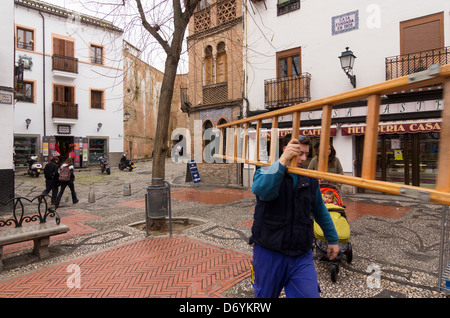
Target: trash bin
157, 199
157, 203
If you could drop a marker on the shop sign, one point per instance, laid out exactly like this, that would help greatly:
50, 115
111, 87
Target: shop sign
345, 22
64, 129
194, 171
309, 132
6, 98
385, 109
402, 128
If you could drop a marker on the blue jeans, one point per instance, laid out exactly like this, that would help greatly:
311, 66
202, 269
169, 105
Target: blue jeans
273, 271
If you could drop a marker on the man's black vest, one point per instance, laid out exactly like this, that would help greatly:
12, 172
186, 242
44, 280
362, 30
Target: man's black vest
285, 224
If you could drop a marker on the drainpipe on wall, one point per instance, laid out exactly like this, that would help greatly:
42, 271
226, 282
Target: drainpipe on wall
43, 72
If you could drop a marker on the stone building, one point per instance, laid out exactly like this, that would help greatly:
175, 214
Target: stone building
214, 95
142, 85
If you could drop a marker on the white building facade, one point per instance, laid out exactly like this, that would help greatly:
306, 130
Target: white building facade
7, 102
72, 90
291, 52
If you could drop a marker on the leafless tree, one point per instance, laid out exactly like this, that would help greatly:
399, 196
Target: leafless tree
182, 12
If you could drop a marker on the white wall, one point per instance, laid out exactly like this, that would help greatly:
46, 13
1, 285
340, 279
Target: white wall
310, 28
378, 37
6, 84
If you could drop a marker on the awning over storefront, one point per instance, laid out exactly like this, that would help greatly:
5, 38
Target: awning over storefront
394, 128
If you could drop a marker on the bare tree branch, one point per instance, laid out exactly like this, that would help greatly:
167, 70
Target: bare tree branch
152, 30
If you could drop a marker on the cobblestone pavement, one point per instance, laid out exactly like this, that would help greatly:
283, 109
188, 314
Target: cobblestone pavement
395, 244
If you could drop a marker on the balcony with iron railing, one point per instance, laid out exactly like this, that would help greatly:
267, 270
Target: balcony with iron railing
64, 110
403, 65
64, 63
287, 91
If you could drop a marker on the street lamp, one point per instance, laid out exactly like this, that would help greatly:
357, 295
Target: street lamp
127, 116
28, 122
347, 60
99, 125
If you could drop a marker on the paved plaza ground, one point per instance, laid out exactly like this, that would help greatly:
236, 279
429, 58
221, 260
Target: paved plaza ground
395, 244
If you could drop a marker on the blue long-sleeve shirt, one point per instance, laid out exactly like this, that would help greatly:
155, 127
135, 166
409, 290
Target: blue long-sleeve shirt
266, 184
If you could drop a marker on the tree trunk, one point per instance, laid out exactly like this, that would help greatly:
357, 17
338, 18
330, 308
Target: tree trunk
165, 102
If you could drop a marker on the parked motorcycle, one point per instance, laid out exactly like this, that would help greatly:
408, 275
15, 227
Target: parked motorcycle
126, 163
104, 165
34, 167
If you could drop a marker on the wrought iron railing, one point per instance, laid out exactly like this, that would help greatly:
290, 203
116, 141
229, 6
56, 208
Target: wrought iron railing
18, 205
403, 65
286, 6
287, 91
27, 46
64, 110
64, 63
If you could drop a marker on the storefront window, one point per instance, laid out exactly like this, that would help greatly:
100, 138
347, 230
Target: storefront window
24, 148
97, 148
428, 158
408, 158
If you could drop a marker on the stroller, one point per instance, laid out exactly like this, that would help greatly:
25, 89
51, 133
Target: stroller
337, 213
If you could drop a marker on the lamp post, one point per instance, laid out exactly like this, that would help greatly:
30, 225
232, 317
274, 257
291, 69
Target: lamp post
347, 60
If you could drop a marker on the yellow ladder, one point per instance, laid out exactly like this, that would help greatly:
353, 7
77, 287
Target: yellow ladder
436, 74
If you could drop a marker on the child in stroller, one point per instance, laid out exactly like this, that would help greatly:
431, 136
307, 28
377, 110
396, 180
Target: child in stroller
335, 205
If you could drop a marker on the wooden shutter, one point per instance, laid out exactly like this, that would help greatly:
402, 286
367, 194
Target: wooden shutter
69, 48
58, 46
58, 93
208, 71
222, 68
70, 94
63, 47
422, 34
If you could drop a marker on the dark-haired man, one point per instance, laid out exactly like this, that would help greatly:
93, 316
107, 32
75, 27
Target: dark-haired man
282, 230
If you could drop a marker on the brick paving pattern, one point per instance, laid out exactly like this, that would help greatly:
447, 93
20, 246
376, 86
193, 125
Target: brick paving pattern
156, 267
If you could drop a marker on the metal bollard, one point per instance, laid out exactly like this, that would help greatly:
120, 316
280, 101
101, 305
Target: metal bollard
91, 197
127, 190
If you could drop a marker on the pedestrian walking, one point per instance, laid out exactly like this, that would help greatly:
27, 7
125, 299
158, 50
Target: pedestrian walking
282, 231
67, 178
334, 164
51, 173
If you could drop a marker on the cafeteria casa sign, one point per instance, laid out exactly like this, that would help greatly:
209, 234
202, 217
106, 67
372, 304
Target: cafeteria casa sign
400, 128
383, 128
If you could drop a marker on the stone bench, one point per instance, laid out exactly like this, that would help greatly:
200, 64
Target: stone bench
15, 230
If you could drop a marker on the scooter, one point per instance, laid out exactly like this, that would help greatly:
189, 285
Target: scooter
104, 165
126, 163
34, 167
